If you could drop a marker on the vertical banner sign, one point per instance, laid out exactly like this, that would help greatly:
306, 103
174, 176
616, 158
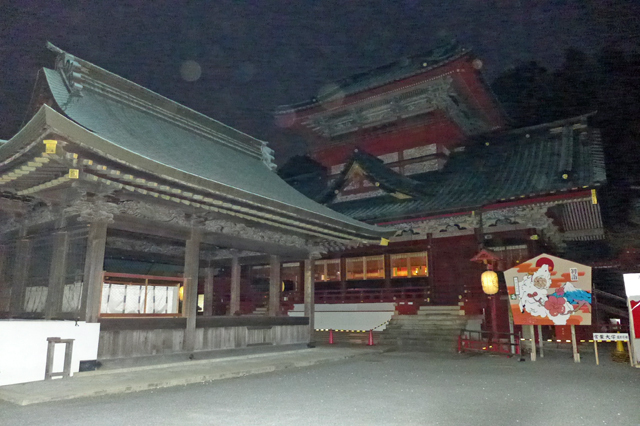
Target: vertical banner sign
548, 290
632, 287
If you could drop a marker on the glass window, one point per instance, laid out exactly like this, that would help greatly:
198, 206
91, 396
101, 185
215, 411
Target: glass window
407, 265
355, 268
365, 268
327, 270
399, 266
290, 276
375, 267
333, 270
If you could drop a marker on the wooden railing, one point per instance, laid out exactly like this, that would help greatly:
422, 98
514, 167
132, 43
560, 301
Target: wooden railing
363, 295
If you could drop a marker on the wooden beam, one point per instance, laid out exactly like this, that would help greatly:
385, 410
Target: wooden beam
145, 226
190, 302
93, 268
275, 284
234, 304
309, 302
240, 243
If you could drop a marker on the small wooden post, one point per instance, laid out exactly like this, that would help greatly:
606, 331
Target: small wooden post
574, 344
275, 285
595, 349
629, 350
540, 341
532, 335
51, 348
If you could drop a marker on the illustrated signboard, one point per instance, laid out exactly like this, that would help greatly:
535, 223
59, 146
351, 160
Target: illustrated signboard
548, 290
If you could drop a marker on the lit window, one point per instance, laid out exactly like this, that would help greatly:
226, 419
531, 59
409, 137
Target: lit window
365, 268
128, 294
327, 270
290, 276
407, 265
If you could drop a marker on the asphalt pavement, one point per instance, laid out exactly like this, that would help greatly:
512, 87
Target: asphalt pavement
354, 386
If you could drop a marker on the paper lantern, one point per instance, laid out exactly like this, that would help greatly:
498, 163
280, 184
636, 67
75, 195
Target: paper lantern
489, 282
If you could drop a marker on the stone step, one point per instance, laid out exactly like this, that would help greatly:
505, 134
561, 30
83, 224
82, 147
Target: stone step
437, 309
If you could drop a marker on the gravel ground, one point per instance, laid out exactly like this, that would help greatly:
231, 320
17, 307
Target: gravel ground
395, 388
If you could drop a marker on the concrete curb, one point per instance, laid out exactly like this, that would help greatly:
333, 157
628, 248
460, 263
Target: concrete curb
169, 375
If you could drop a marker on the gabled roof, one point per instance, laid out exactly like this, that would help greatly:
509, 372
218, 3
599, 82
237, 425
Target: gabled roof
553, 158
378, 174
118, 121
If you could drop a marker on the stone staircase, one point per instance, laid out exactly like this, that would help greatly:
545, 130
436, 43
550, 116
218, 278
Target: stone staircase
434, 328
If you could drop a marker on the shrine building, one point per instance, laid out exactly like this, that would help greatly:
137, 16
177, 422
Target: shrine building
114, 201
422, 145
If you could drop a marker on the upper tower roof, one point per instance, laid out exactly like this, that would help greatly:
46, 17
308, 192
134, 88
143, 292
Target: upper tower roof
445, 79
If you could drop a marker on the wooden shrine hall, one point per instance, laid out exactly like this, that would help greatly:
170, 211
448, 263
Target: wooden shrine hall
114, 200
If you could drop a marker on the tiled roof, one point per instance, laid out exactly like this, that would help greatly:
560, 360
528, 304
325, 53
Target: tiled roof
138, 121
548, 159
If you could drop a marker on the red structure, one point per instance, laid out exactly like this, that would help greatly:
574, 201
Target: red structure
422, 145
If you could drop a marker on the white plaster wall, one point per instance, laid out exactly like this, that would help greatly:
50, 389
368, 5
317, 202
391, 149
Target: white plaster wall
23, 347
349, 316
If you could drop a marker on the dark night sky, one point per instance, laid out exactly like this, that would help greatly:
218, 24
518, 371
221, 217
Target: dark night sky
257, 54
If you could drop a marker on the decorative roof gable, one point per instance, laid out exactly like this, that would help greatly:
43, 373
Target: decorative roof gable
364, 167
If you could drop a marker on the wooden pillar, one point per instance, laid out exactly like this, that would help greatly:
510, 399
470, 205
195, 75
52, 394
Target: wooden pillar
56, 274
20, 273
275, 285
387, 270
190, 292
540, 341
574, 344
309, 302
93, 268
532, 341
234, 303
208, 292
343, 277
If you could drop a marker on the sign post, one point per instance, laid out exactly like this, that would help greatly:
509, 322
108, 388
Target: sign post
548, 290
611, 337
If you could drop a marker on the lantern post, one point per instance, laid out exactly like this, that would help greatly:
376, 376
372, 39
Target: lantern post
490, 286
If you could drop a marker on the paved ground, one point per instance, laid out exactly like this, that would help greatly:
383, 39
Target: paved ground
394, 388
